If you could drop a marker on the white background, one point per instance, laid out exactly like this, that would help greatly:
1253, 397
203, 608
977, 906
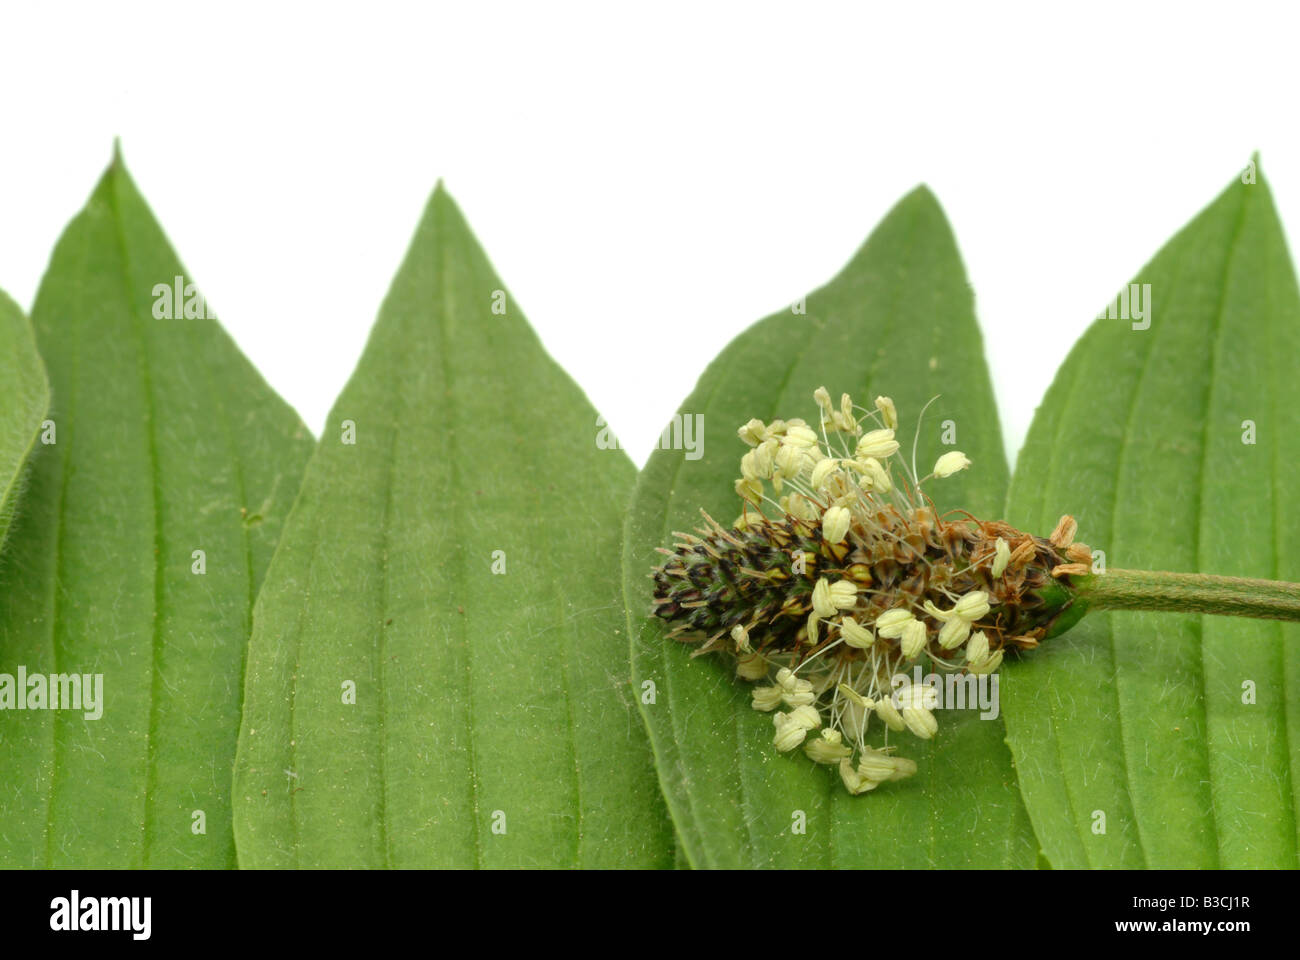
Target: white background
648, 178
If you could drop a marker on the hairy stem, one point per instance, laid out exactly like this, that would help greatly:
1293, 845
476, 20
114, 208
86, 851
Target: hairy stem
1190, 593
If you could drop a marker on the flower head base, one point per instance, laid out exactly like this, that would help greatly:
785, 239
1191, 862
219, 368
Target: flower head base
840, 572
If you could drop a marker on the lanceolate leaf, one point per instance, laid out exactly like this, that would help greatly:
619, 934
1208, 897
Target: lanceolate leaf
438, 674
24, 399
165, 443
1166, 740
899, 320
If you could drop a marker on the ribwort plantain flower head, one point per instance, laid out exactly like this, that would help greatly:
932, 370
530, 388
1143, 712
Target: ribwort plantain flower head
840, 573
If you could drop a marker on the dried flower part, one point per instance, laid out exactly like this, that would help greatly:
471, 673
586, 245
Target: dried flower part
844, 574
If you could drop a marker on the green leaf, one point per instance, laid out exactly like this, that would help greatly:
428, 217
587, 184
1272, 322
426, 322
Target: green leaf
493, 721
899, 320
165, 438
1139, 717
26, 394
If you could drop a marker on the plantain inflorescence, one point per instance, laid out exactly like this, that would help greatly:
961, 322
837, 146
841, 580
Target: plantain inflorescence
827, 587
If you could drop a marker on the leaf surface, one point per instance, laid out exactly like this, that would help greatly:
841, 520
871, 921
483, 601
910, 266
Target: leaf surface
1173, 733
26, 393
438, 673
167, 442
898, 320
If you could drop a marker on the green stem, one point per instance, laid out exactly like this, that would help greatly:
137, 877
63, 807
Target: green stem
1190, 593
